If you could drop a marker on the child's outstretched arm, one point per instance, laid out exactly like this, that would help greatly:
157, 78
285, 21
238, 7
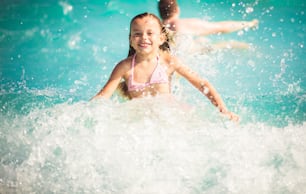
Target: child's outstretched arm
210, 92
232, 26
112, 83
201, 27
206, 88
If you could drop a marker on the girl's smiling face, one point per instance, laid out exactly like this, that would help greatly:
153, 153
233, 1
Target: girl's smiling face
146, 36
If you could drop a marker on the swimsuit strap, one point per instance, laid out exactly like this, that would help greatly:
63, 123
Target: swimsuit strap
130, 82
132, 69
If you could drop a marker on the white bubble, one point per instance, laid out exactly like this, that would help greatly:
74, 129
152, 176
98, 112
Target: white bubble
273, 34
240, 33
292, 20
74, 41
249, 9
66, 7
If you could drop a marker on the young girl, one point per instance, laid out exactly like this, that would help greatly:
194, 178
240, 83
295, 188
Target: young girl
148, 69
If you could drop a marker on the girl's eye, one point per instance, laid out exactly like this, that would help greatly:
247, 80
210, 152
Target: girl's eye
137, 34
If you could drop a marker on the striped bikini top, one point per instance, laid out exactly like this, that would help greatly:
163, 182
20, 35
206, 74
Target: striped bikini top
158, 76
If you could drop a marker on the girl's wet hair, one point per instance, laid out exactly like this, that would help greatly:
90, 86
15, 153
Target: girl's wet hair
122, 88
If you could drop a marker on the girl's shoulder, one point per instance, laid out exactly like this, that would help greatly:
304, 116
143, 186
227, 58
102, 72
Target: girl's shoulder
170, 59
123, 66
125, 63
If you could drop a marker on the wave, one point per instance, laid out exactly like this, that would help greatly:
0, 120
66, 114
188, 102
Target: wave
151, 145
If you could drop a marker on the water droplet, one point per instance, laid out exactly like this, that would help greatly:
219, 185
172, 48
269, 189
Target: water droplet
273, 34
249, 10
240, 33
292, 20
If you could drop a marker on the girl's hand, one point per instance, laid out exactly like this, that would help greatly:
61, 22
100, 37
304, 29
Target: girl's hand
232, 116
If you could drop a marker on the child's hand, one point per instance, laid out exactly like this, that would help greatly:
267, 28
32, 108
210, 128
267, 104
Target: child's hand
253, 23
232, 116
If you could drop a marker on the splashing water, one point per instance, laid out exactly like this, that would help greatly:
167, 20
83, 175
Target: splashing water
129, 149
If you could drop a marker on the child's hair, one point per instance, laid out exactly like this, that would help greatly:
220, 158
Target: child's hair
167, 8
123, 88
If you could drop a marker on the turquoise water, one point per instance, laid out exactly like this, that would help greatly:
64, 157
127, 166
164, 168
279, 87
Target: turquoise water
56, 55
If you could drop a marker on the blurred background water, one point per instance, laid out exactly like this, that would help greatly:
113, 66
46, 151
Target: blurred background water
55, 55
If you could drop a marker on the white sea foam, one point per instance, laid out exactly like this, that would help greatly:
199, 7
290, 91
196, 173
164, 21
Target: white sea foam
150, 145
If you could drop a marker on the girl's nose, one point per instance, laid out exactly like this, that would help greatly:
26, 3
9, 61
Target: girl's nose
144, 36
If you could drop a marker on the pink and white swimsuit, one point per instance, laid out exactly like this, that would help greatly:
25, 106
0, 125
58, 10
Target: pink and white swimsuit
158, 76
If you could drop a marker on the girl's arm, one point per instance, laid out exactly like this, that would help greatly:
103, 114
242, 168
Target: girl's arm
112, 83
206, 88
